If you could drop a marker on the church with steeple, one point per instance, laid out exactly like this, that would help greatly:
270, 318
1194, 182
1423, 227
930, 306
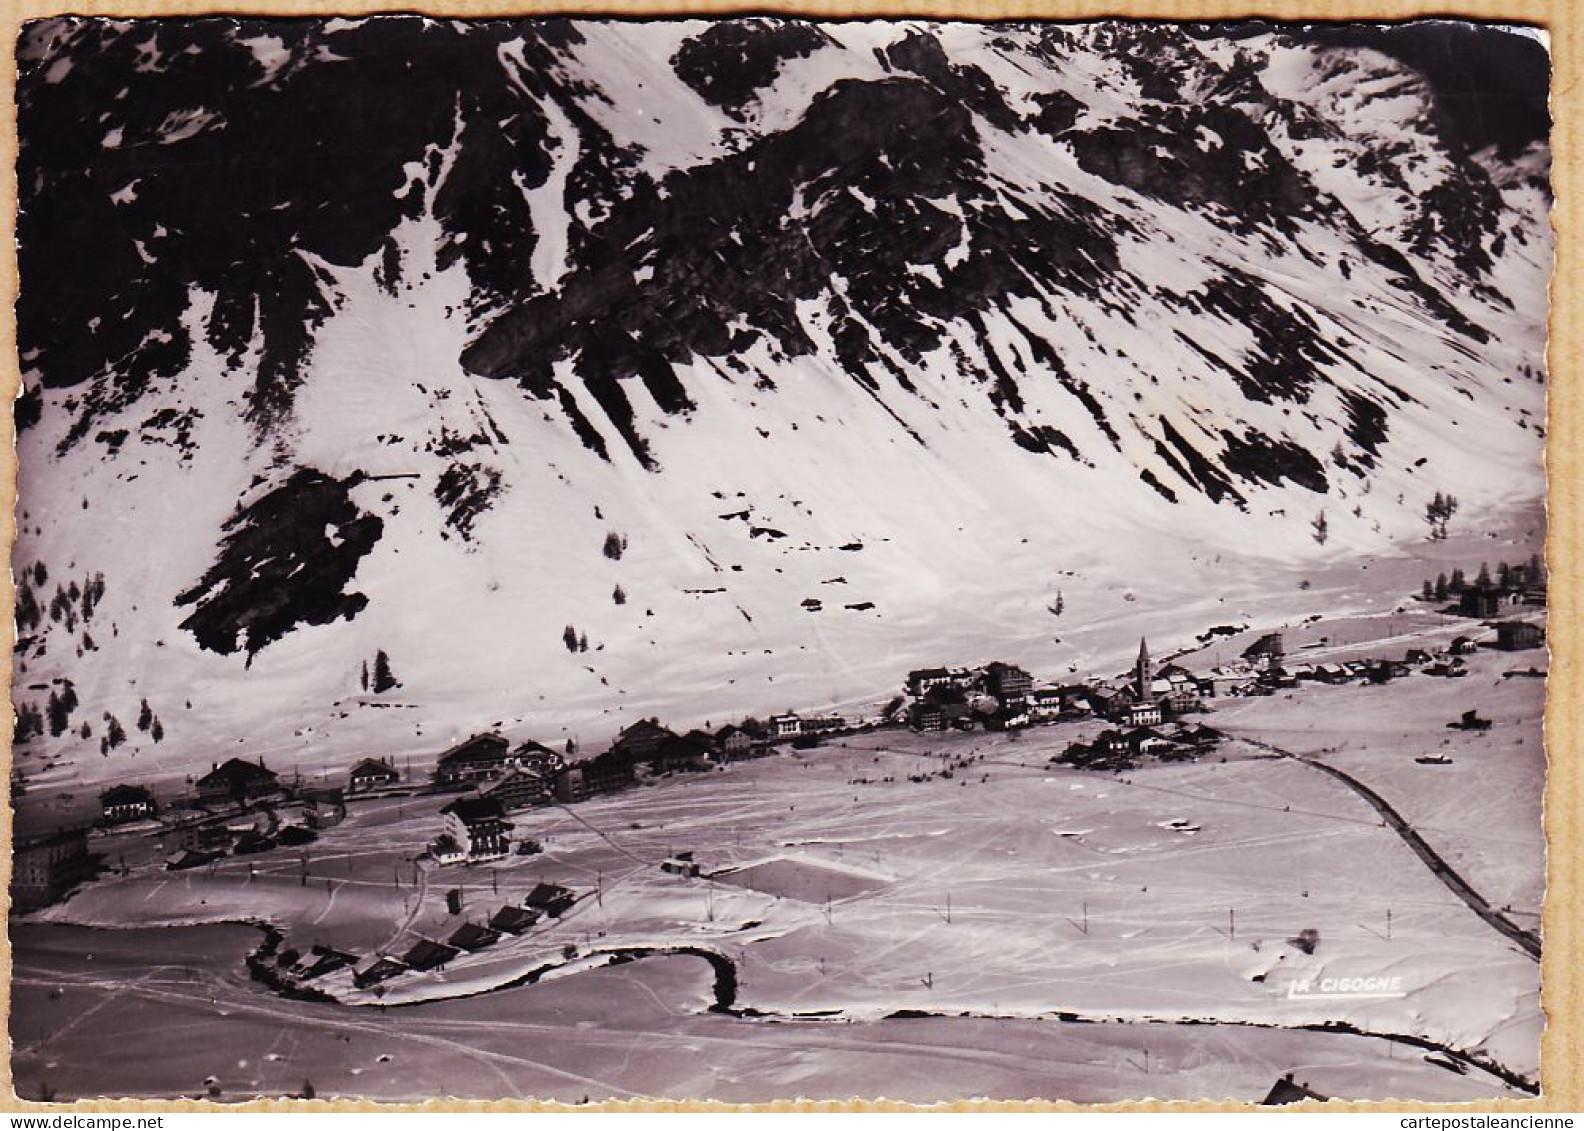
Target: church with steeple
1146, 708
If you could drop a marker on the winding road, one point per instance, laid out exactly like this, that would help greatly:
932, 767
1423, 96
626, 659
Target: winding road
1528, 941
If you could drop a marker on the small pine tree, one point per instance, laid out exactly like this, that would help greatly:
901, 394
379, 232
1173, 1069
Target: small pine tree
1442, 588
619, 595
1504, 576
583, 642
1537, 569
1321, 528
1429, 590
1439, 512
69, 697
28, 612
569, 637
156, 731
615, 546
115, 733
86, 732
1482, 581
363, 678
59, 716
1458, 583
40, 574
384, 680
145, 715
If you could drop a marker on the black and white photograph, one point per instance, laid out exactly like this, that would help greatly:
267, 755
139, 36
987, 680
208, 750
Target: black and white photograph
761, 558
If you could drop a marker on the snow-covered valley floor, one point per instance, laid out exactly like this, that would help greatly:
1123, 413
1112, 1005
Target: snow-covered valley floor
906, 914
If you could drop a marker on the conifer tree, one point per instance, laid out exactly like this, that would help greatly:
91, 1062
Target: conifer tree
384, 680
59, 716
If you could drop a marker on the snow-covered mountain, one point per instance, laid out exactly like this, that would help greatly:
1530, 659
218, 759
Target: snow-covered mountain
590, 370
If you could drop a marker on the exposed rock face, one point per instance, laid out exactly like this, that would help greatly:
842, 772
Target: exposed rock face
412, 313
285, 561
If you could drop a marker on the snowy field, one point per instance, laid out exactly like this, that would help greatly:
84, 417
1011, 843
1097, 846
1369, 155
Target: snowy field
616, 1032
894, 873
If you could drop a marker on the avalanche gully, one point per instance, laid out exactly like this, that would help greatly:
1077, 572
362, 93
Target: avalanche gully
761, 359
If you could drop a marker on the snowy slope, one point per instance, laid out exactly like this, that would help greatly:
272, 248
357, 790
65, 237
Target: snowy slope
863, 341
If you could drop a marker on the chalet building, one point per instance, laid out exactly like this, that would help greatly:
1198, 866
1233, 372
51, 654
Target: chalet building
1109, 748
445, 850
537, 758
46, 868
479, 826
1107, 701
1480, 603
123, 803
1225, 681
372, 773
520, 789
823, 724
925, 715
1146, 740
1146, 714
1266, 652
184, 858
921, 680
786, 726
1045, 703
549, 899
1009, 684
640, 742
510, 920
1014, 716
1517, 635
1198, 737
426, 954
197, 836
324, 808
1384, 671
472, 937
1331, 673
1285, 1091
382, 969
733, 741
604, 774
694, 750
235, 782
484, 757
322, 960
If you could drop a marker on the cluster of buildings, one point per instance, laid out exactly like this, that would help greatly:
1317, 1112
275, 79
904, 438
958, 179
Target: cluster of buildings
1002, 696
422, 953
501, 778
1146, 708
